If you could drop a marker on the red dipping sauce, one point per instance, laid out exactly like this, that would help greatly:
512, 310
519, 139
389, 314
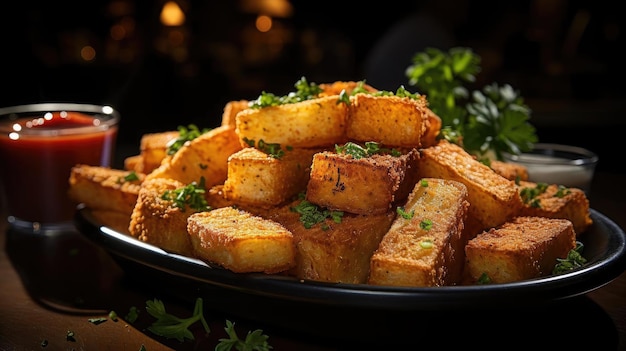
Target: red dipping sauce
38, 151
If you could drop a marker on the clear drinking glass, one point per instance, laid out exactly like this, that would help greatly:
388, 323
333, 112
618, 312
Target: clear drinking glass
39, 145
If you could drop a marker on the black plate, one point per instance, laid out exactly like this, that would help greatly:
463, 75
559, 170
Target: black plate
605, 250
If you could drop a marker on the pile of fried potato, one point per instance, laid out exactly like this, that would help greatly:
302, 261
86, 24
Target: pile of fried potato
275, 191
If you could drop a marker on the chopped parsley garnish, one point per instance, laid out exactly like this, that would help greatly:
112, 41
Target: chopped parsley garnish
530, 195
97, 321
304, 91
562, 191
484, 279
573, 260
113, 316
185, 134
426, 224
485, 123
426, 243
132, 315
371, 148
344, 97
130, 177
191, 195
424, 183
272, 149
402, 213
311, 214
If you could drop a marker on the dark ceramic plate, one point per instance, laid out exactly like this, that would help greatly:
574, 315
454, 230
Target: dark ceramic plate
605, 250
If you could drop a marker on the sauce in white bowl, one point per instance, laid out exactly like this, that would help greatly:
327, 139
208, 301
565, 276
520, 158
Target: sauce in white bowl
565, 165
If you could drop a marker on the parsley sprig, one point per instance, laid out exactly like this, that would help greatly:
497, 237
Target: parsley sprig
254, 341
485, 123
172, 327
274, 150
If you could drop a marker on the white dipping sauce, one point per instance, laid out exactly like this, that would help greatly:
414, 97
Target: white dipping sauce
551, 170
565, 165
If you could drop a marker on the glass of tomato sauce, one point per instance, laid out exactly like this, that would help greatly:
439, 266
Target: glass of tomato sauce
39, 145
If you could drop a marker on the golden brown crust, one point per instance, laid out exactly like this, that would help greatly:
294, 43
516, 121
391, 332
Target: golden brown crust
389, 120
494, 198
153, 149
319, 122
559, 202
157, 221
229, 115
412, 255
331, 251
509, 170
103, 188
241, 242
524, 248
335, 88
368, 185
203, 157
258, 179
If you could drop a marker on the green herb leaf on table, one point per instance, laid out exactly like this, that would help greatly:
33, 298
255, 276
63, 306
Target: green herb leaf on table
254, 341
172, 327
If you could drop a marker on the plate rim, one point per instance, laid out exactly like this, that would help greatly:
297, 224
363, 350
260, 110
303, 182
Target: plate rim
546, 289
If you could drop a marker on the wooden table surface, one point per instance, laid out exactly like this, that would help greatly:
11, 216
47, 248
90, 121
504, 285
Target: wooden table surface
51, 285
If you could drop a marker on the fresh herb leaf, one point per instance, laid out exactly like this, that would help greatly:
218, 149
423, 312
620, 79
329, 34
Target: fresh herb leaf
426, 243
272, 149
426, 224
530, 194
132, 315
130, 177
113, 316
496, 120
402, 213
311, 214
371, 148
254, 341
573, 260
185, 134
173, 327
97, 321
304, 91
191, 195
562, 191
484, 279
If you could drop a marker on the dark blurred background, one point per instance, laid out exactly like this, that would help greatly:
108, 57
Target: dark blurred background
168, 63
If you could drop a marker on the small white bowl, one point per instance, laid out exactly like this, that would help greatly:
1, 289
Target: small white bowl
565, 165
